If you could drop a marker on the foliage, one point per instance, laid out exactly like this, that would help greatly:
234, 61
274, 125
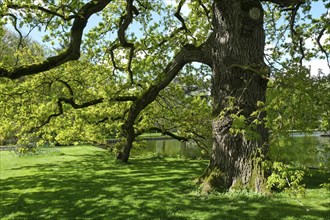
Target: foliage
15, 50
105, 71
24, 151
244, 124
37, 98
284, 177
296, 35
297, 98
326, 185
298, 101
64, 108
28, 51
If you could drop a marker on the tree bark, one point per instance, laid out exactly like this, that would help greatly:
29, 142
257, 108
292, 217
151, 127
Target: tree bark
129, 135
239, 82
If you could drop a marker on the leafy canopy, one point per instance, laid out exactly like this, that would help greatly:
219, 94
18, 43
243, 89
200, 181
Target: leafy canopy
127, 50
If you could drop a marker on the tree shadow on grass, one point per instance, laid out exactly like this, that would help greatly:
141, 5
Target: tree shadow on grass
94, 187
315, 177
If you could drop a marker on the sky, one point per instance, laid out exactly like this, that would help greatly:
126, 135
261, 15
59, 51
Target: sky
314, 64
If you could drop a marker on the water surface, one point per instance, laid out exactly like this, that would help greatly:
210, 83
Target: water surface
310, 150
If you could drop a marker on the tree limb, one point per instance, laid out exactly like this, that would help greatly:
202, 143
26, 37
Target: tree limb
109, 118
60, 112
112, 56
124, 98
189, 53
295, 34
177, 14
73, 50
165, 132
202, 146
183, 26
318, 39
125, 21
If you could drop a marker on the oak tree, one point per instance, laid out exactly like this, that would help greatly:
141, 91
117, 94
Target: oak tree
151, 43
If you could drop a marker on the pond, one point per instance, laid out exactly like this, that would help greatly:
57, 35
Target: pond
170, 147
310, 150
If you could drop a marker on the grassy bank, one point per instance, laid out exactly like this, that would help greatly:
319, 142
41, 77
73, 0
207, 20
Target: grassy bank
85, 183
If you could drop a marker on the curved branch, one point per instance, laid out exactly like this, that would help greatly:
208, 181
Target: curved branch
109, 118
73, 50
74, 105
54, 115
124, 98
125, 21
20, 41
177, 14
295, 34
318, 40
60, 107
67, 85
189, 53
112, 56
165, 132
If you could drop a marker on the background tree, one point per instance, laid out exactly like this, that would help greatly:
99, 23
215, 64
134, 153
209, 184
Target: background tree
14, 50
298, 102
228, 36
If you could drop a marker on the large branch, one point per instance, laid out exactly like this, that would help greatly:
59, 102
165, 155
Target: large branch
60, 108
189, 53
318, 39
164, 132
125, 21
177, 14
73, 50
296, 35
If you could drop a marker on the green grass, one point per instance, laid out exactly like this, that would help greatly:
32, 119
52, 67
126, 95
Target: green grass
84, 182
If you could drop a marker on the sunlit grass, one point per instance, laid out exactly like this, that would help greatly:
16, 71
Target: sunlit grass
84, 182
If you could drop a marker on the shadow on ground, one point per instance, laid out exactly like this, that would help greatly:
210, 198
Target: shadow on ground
95, 187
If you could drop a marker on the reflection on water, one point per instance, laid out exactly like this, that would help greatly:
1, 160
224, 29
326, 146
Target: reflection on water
172, 148
309, 150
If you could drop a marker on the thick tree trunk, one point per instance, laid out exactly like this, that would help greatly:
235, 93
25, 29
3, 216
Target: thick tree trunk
129, 135
239, 82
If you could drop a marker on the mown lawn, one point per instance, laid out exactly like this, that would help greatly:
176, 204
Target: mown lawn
84, 182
